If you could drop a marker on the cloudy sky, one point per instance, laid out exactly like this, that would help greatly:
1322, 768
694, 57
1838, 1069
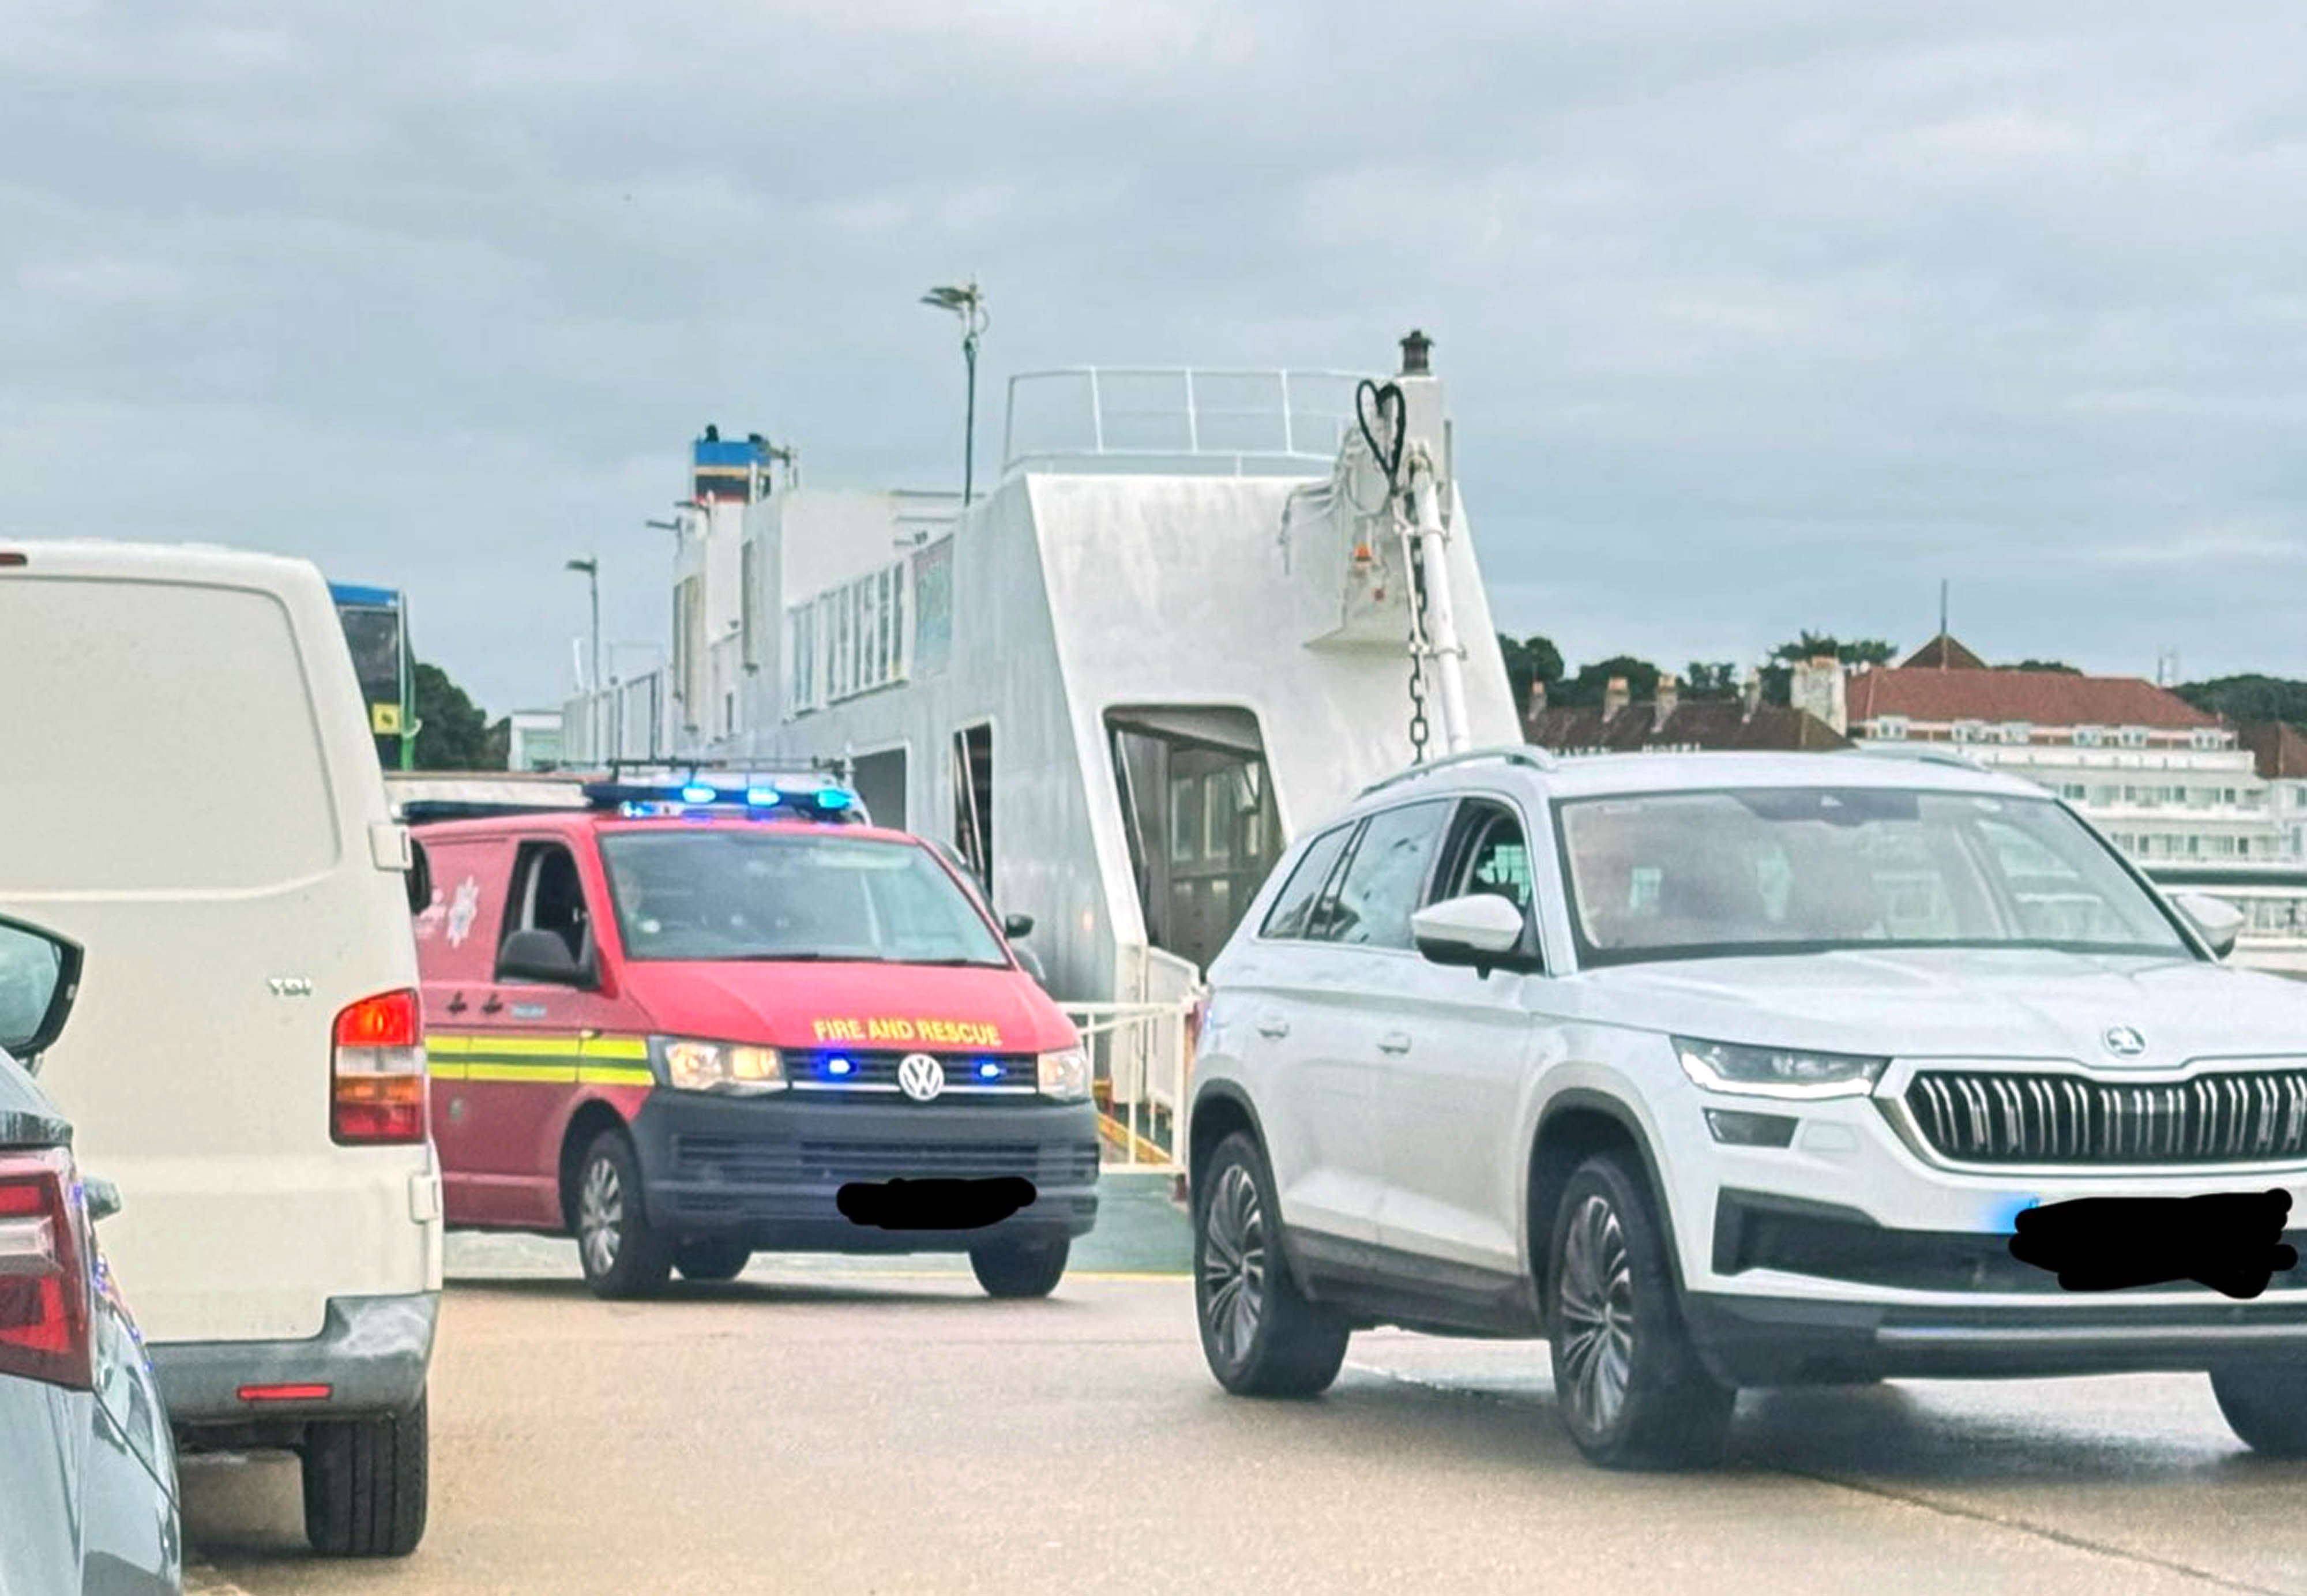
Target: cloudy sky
1756, 315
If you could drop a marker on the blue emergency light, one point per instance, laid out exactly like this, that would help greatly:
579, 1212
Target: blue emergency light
698, 797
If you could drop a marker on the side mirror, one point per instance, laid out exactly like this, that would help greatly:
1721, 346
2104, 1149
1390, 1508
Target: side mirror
39, 977
420, 879
2220, 922
1480, 929
1018, 925
103, 1199
538, 955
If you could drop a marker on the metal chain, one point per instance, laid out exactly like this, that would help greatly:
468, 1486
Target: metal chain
1418, 727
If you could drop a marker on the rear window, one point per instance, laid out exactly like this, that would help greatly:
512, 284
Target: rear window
154, 737
738, 893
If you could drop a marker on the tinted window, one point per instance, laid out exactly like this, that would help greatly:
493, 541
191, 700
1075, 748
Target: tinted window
1294, 908
547, 895
1375, 899
734, 894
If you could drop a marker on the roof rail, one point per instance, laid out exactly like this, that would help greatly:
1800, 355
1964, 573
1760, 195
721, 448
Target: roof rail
1923, 751
1528, 755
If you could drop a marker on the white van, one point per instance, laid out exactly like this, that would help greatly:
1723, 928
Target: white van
189, 791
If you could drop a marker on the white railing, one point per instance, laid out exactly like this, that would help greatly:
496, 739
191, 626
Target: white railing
1178, 418
1141, 1067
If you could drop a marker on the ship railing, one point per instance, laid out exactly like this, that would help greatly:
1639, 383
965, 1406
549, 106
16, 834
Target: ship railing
1189, 420
1141, 1067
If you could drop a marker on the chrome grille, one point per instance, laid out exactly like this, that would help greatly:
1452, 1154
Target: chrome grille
2258, 1117
876, 1073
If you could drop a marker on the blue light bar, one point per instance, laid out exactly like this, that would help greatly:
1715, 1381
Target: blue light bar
696, 799
989, 1071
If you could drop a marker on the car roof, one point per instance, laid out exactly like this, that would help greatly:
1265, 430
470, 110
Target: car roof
1615, 774
573, 821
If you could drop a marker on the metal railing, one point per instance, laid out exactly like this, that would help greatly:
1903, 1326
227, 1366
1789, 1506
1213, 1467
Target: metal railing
1141, 1067
1187, 419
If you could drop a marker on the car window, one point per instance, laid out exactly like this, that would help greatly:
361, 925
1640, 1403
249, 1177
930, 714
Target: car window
739, 894
1374, 898
1694, 874
1488, 854
1293, 908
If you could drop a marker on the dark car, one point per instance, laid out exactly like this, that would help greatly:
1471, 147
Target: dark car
88, 1473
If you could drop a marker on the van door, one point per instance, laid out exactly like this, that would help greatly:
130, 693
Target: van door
457, 940
529, 1046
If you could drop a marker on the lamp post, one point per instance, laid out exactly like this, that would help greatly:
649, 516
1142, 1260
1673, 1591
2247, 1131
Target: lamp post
967, 302
592, 572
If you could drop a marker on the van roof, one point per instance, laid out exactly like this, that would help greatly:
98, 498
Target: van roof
93, 556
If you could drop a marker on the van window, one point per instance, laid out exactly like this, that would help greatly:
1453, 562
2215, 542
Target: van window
156, 737
547, 895
731, 894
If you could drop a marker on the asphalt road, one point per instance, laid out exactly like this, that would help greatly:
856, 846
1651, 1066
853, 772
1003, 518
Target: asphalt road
824, 1427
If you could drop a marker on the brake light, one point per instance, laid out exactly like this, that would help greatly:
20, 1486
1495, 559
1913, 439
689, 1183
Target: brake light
46, 1298
377, 1083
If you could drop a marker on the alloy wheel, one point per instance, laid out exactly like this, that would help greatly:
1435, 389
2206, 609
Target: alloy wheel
1597, 1311
1233, 1263
601, 1215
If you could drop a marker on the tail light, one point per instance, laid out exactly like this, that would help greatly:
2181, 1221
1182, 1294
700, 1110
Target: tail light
377, 1087
46, 1295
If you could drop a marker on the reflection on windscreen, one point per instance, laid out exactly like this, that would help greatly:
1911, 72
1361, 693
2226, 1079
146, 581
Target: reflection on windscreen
1788, 870
739, 895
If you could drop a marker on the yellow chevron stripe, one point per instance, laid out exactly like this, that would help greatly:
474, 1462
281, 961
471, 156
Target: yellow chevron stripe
614, 1047
602, 1074
531, 1045
437, 1044
548, 1073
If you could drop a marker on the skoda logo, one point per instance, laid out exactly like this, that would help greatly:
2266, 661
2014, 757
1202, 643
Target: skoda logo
920, 1077
2124, 1042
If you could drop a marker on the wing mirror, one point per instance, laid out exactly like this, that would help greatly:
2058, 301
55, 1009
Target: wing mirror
1481, 930
420, 879
2218, 922
39, 977
1013, 926
103, 1199
538, 955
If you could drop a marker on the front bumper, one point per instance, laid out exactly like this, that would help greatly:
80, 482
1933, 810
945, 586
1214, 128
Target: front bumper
373, 1354
1782, 1340
769, 1172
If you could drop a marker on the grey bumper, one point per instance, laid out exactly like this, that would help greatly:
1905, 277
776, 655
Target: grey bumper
372, 1354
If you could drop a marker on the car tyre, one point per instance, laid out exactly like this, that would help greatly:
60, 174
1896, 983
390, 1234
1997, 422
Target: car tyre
365, 1484
1629, 1386
621, 1255
2266, 1407
1260, 1335
1021, 1269
709, 1261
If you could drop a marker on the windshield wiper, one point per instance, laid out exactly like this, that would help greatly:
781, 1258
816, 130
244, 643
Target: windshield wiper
949, 963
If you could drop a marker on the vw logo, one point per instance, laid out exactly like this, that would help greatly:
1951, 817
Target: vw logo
2124, 1042
920, 1077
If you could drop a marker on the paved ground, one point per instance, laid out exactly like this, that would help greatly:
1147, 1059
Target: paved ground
821, 1426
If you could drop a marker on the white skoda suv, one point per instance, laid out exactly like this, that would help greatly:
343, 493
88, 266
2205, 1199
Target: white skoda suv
1720, 1070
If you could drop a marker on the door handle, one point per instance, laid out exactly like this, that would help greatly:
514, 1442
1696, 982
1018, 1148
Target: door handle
457, 1003
1394, 1042
493, 1005
1273, 1024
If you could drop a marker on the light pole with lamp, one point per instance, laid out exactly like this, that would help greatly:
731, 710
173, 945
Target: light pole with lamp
968, 302
592, 572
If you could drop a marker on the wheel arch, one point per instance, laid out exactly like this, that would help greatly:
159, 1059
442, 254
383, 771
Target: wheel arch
1576, 1125
591, 1118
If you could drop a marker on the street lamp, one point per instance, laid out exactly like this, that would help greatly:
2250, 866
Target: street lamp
968, 302
592, 572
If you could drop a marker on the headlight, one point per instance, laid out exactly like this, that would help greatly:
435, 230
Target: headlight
1777, 1072
736, 1068
1065, 1075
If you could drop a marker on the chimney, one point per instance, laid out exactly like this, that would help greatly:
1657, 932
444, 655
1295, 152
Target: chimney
1415, 354
1819, 689
1613, 698
1750, 694
1668, 696
1534, 714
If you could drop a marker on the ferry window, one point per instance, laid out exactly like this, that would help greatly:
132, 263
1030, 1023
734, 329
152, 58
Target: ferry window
1293, 908
1185, 818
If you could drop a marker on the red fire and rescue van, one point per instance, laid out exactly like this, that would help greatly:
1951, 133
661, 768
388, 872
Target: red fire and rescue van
697, 1019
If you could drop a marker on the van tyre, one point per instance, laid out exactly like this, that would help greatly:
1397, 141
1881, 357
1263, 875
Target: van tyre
1021, 1269
712, 1260
621, 1255
1260, 1335
2266, 1407
365, 1481
1627, 1383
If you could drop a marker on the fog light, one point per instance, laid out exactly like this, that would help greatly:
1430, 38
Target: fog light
1751, 1131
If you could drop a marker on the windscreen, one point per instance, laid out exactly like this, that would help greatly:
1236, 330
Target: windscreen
1683, 875
732, 893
